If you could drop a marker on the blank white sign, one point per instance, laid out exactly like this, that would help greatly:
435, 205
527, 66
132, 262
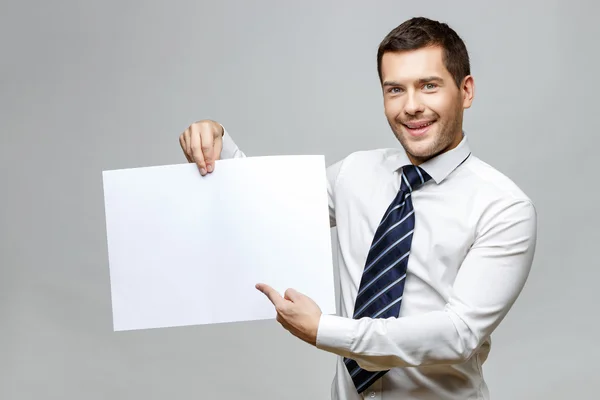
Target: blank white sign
186, 249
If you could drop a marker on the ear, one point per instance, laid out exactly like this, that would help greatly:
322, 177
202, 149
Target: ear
468, 91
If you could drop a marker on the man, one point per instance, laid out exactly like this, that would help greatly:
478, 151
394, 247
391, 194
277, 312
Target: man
435, 245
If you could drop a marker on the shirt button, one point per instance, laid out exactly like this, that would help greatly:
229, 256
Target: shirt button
372, 394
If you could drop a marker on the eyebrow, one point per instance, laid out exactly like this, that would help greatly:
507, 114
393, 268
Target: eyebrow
420, 81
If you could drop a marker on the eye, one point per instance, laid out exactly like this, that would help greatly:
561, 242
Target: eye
394, 90
430, 86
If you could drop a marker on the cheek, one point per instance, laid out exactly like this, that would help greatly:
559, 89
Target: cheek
392, 108
441, 105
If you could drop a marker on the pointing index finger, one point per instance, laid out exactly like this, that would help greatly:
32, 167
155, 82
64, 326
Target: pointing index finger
271, 293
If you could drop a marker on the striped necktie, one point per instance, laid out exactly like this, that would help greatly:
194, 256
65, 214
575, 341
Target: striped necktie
382, 283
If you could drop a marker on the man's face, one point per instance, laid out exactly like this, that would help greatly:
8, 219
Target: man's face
422, 103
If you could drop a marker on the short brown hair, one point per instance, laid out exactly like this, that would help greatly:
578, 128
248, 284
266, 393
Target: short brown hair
419, 32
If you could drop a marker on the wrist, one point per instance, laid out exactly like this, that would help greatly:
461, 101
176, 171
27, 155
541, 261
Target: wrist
315, 330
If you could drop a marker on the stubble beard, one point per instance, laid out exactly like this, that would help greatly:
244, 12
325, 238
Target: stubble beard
441, 141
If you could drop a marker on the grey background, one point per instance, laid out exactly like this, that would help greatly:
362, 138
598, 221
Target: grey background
88, 86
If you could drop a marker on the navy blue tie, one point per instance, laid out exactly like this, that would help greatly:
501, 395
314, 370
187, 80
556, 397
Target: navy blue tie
382, 283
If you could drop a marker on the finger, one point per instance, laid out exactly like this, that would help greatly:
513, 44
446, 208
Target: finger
272, 295
196, 149
183, 145
188, 142
207, 146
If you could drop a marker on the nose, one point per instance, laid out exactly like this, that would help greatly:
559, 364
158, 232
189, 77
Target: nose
413, 104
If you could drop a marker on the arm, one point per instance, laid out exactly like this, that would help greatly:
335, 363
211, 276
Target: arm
332, 172
230, 149
486, 286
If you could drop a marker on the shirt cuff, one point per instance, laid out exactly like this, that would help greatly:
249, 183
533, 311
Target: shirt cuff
335, 334
230, 149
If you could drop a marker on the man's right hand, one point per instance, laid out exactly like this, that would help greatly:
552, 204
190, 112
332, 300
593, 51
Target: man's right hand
202, 143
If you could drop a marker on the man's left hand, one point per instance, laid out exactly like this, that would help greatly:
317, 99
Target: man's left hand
297, 313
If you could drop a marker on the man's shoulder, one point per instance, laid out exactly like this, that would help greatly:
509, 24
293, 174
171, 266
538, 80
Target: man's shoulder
493, 182
498, 206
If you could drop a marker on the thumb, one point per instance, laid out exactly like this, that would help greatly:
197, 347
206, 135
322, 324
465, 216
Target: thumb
292, 295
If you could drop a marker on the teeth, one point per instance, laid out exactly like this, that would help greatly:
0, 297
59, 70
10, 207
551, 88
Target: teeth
421, 126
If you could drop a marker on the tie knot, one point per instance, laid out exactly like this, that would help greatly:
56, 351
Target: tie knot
413, 177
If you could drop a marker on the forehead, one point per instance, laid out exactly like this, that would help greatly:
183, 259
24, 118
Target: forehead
412, 65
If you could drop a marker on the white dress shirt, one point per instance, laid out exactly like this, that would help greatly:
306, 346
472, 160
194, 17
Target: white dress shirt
472, 249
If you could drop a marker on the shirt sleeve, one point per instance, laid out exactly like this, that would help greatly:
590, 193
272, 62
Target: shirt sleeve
230, 148
333, 171
489, 281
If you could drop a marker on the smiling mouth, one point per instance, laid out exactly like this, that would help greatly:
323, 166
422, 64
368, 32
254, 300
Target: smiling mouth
418, 128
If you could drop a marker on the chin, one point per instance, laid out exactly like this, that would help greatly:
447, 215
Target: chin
422, 148
421, 155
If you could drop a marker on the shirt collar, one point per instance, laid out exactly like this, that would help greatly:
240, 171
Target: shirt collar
438, 167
